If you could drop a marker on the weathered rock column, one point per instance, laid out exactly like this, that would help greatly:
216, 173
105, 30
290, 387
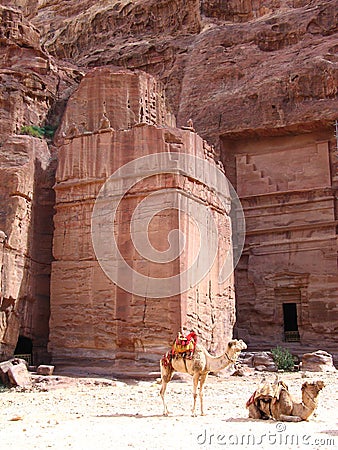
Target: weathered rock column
94, 321
26, 205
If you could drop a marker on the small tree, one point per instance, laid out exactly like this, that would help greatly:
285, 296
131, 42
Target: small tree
283, 358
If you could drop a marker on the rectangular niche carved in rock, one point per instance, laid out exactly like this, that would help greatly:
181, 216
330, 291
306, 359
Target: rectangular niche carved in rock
290, 298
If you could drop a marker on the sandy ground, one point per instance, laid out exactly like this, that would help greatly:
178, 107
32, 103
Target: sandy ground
77, 413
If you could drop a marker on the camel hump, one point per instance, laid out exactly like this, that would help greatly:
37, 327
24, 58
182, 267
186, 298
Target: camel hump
270, 390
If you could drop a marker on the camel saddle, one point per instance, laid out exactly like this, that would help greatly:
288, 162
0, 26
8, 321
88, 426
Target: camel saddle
184, 345
267, 392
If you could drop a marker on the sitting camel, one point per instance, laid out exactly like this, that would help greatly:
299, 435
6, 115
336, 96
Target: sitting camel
274, 401
198, 366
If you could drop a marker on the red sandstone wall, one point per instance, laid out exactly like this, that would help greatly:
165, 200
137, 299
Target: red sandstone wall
26, 202
237, 77
30, 80
285, 185
138, 98
235, 67
91, 317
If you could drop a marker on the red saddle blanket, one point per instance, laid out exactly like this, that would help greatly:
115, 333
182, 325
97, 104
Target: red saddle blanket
184, 344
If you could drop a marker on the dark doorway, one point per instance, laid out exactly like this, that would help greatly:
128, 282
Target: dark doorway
24, 349
291, 332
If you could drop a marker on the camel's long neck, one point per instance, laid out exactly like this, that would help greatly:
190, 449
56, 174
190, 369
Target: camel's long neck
216, 363
308, 405
309, 402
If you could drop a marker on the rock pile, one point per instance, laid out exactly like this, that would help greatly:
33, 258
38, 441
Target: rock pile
261, 361
319, 361
14, 373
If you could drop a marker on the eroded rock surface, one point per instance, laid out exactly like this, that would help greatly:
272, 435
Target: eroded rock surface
258, 79
109, 323
26, 205
14, 373
319, 361
31, 95
270, 64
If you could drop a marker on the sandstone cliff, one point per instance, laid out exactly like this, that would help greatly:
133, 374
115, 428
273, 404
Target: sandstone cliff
259, 80
232, 66
31, 92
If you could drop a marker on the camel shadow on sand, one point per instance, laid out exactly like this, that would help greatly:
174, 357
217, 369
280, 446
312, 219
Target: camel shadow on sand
136, 416
178, 416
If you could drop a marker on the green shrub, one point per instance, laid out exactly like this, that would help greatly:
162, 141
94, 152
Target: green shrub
39, 132
283, 358
32, 130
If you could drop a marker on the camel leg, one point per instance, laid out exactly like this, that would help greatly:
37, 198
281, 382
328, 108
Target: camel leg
195, 380
254, 412
203, 379
286, 418
166, 375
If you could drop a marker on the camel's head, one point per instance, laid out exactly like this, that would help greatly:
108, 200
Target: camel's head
313, 388
236, 346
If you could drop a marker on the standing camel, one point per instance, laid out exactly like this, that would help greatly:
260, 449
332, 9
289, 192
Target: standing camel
198, 366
